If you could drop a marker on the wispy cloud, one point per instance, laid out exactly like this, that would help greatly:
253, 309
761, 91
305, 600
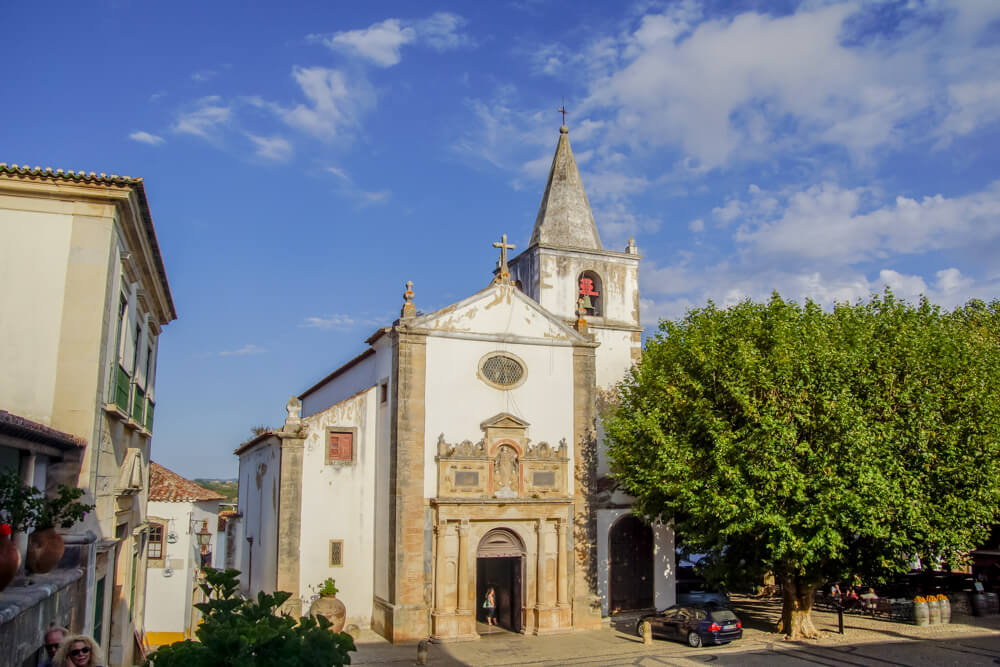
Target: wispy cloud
246, 350
146, 138
347, 186
381, 42
337, 322
205, 119
204, 75
275, 149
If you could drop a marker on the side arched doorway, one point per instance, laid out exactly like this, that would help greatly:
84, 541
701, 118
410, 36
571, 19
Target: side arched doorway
500, 563
631, 565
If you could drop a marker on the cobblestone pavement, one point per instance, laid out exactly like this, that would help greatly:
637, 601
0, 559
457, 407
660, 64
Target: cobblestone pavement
866, 643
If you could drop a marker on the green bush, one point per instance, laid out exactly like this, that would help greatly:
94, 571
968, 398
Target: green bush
240, 632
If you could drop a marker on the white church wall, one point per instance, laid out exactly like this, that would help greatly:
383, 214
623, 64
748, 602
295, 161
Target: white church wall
559, 270
258, 502
457, 401
383, 372
338, 503
613, 357
507, 311
355, 379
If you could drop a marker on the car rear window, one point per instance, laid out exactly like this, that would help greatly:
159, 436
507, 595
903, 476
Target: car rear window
723, 615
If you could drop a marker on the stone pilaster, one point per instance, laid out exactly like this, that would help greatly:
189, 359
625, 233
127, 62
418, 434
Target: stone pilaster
561, 571
290, 508
406, 612
464, 605
586, 601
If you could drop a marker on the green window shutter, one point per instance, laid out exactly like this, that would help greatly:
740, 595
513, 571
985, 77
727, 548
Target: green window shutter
121, 388
99, 610
138, 404
149, 416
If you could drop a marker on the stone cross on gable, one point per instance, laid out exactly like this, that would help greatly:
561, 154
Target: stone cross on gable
504, 247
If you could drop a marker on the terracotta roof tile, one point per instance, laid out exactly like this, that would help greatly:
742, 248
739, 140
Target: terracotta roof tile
70, 175
167, 486
25, 428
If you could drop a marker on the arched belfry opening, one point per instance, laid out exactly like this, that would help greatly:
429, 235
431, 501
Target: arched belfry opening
590, 293
500, 563
631, 564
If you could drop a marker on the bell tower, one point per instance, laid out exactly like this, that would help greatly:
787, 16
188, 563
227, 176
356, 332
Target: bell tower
567, 270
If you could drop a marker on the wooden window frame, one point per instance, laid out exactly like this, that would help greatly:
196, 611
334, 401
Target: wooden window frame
152, 541
330, 553
353, 430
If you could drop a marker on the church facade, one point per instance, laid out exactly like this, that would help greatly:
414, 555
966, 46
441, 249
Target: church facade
462, 450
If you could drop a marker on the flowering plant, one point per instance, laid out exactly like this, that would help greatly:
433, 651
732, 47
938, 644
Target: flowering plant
16, 503
919, 599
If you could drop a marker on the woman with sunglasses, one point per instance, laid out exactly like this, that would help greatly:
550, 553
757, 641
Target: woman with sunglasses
78, 651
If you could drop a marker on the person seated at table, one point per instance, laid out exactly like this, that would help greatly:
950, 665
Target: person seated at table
835, 593
870, 600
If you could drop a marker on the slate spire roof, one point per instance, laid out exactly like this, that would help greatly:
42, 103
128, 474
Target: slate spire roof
167, 486
564, 217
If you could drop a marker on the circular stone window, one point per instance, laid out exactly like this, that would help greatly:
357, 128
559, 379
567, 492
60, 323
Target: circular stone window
502, 370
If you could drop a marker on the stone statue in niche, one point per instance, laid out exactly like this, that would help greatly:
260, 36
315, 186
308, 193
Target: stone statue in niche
505, 471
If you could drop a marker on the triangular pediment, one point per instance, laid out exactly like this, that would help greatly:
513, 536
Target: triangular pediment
504, 420
500, 309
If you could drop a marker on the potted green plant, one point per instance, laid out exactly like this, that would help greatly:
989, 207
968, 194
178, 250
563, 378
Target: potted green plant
45, 545
329, 606
17, 514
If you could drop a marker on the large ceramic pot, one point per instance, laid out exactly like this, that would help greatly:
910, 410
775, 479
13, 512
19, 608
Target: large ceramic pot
933, 610
9, 558
920, 612
945, 605
333, 609
45, 549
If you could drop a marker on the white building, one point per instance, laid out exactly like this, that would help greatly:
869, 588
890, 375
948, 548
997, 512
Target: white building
461, 448
182, 538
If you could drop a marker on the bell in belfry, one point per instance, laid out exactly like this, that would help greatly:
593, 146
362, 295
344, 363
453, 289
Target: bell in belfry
585, 301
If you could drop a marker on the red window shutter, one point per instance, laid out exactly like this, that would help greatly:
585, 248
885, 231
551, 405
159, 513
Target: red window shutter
341, 446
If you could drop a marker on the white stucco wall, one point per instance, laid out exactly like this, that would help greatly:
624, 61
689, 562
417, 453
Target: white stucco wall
338, 503
258, 502
355, 379
457, 401
169, 596
34, 251
557, 274
383, 372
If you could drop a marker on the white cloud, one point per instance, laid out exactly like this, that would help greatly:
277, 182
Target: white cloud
204, 75
247, 349
381, 42
146, 138
276, 149
697, 226
348, 188
205, 120
336, 322
751, 85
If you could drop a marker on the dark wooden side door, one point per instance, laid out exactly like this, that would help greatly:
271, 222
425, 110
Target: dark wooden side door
631, 565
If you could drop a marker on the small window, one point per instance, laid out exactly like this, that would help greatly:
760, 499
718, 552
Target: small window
502, 370
154, 548
336, 553
384, 392
340, 445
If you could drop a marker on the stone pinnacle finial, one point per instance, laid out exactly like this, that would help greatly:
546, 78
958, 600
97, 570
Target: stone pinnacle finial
409, 310
631, 248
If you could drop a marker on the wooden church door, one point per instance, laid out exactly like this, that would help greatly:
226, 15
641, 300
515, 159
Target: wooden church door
631, 576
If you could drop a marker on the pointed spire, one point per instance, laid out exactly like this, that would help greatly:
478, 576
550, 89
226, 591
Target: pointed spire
564, 218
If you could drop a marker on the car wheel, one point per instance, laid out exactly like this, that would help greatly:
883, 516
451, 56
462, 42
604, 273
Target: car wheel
638, 627
694, 639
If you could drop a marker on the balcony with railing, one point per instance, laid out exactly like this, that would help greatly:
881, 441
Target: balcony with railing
128, 401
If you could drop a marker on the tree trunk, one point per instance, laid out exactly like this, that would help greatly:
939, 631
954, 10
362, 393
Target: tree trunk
796, 609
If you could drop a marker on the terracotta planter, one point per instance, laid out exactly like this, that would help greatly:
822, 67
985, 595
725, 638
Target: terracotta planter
45, 548
333, 609
9, 560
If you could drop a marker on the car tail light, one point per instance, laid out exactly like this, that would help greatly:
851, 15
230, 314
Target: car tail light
738, 624
715, 627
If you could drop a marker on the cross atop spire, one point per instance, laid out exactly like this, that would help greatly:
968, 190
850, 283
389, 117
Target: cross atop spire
504, 247
562, 110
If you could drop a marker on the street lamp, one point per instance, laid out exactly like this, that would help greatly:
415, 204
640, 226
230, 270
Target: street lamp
203, 536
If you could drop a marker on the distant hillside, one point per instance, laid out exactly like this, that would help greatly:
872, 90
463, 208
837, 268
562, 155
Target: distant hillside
227, 487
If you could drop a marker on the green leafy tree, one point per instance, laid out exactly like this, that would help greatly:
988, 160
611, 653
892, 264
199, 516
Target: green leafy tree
238, 632
816, 445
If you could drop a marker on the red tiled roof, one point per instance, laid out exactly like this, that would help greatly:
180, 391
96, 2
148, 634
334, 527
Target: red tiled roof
25, 428
168, 486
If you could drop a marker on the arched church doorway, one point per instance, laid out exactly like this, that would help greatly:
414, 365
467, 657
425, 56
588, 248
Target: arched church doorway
631, 575
500, 563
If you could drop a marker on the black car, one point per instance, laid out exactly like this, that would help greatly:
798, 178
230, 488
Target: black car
695, 625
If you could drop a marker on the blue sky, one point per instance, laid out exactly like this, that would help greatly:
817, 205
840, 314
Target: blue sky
303, 162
